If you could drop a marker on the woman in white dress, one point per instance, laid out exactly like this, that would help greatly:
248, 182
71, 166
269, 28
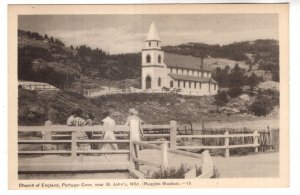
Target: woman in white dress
108, 134
135, 124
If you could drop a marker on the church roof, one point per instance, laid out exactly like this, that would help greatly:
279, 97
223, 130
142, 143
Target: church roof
184, 61
152, 34
191, 78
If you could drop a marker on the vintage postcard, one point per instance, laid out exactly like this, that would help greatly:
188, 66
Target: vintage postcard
148, 96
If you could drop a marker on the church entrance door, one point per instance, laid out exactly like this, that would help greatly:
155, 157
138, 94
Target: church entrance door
148, 82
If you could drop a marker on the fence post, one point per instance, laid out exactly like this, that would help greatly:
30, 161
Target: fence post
131, 145
164, 155
47, 135
226, 154
136, 155
73, 144
173, 134
256, 140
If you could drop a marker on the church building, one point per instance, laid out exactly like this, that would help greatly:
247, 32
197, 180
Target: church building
185, 74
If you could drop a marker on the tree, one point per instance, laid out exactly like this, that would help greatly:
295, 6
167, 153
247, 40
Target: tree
51, 39
59, 42
71, 47
221, 75
253, 81
221, 99
46, 37
28, 33
236, 78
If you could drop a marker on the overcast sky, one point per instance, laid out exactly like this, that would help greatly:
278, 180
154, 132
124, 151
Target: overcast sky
126, 33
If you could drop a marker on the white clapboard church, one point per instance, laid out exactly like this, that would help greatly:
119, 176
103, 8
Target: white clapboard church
187, 74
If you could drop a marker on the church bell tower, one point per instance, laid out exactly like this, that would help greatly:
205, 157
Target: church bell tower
153, 67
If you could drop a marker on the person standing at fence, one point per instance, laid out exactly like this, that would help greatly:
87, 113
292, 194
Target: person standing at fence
71, 118
108, 134
89, 122
80, 135
135, 124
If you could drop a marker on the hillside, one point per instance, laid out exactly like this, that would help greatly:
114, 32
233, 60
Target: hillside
260, 56
47, 59
37, 107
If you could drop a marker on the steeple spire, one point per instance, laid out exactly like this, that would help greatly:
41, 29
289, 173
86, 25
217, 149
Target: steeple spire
152, 34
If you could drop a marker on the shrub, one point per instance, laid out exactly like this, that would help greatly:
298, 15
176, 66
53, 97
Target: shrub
234, 92
261, 106
221, 99
171, 173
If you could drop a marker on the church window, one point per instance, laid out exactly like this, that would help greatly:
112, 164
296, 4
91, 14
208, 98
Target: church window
183, 84
149, 44
148, 59
148, 82
171, 84
159, 81
178, 84
199, 85
190, 84
159, 59
157, 44
195, 85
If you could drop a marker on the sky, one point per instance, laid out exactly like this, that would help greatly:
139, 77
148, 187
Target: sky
126, 33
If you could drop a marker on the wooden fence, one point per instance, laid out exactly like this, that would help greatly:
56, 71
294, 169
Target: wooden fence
39, 87
225, 139
51, 138
207, 167
52, 135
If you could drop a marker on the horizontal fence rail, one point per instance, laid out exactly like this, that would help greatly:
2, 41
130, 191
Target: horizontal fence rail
67, 135
64, 128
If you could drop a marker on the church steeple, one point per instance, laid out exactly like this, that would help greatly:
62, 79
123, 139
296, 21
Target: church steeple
154, 70
152, 34
152, 40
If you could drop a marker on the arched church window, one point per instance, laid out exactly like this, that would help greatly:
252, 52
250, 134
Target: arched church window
149, 43
148, 82
148, 59
159, 81
171, 84
159, 59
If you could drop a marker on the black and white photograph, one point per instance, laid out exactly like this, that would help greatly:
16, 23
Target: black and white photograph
146, 97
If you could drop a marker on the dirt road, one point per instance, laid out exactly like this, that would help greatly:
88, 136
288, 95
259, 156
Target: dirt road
251, 166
